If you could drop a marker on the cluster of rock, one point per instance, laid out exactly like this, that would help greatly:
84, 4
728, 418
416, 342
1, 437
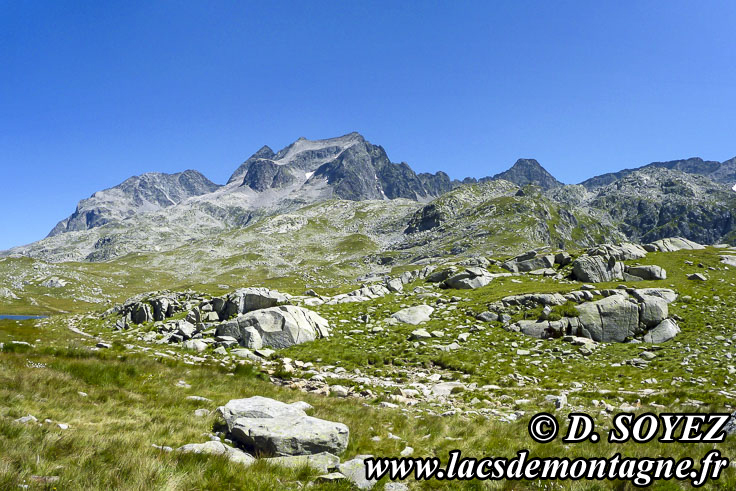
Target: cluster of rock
622, 315
368, 292
599, 268
284, 435
604, 262
532, 261
467, 278
253, 318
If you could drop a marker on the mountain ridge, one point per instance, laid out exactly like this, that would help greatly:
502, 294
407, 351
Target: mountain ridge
158, 212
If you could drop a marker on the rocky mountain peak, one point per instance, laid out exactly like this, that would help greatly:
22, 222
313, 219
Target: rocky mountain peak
264, 152
138, 194
529, 171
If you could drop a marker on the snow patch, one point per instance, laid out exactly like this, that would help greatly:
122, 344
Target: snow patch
309, 174
734, 187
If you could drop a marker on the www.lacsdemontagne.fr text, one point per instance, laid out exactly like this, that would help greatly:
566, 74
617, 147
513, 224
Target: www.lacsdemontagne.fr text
638, 471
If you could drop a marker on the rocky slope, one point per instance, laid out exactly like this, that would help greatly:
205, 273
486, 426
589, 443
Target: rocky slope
655, 203
721, 172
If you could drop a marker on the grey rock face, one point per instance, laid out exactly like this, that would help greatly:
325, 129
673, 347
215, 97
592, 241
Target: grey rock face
247, 300
654, 204
665, 293
265, 174
258, 407
364, 171
622, 252
615, 318
596, 269
420, 334
730, 427
278, 327
665, 331
647, 272
141, 313
303, 435
535, 329
673, 244
487, 316
653, 311
469, 279
611, 319
530, 262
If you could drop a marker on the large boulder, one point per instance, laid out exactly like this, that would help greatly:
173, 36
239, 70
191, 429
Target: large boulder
278, 327
414, 315
291, 436
666, 330
611, 319
653, 310
529, 261
247, 300
652, 272
469, 279
535, 329
258, 407
673, 244
441, 275
596, 269
621, 252
665, 293
267, 426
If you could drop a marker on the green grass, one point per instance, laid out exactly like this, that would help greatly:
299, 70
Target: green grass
133, 401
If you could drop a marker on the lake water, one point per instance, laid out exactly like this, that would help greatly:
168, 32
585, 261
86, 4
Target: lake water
21, 317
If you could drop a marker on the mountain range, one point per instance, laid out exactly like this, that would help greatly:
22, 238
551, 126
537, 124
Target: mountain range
521, 207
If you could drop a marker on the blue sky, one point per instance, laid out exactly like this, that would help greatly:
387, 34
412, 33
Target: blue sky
94, 92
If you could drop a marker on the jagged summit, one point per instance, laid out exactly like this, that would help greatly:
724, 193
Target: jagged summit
529, 171
306, 171
304, 154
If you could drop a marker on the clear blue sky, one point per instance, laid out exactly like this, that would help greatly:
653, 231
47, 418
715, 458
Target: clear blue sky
94, 92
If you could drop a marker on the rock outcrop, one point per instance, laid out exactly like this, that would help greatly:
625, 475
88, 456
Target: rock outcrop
277, 327
619, 317
597, 269
470, 278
